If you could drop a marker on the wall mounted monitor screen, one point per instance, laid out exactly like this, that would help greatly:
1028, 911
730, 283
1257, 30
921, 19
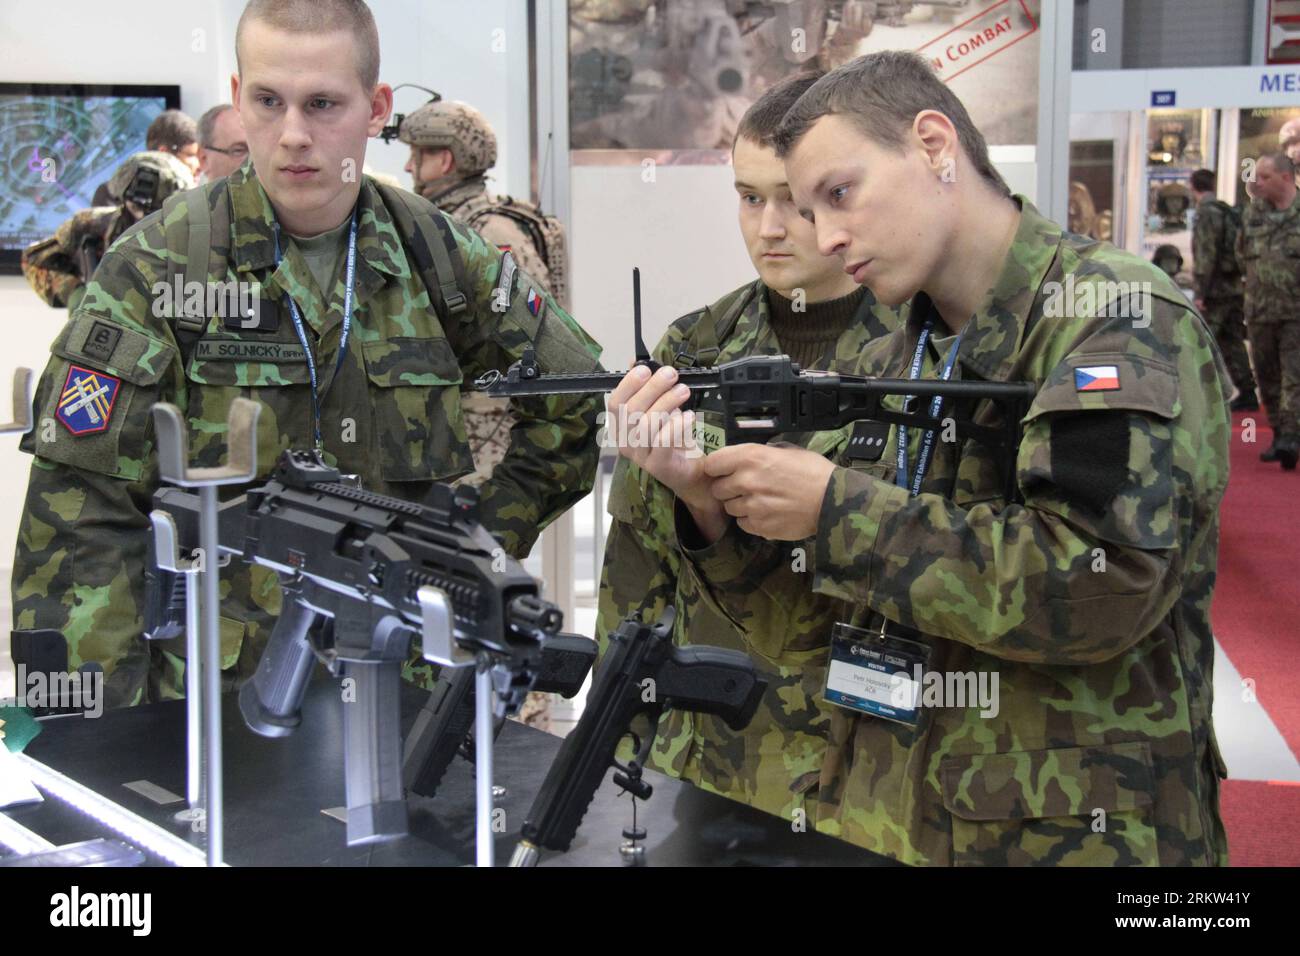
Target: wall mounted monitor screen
58, 143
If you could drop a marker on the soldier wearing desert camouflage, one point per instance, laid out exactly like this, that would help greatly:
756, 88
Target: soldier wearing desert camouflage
425, 302
452, 149
1082, 603
59, 267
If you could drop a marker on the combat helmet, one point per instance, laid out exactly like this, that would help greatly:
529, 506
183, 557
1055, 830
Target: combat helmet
148, 178
447, 124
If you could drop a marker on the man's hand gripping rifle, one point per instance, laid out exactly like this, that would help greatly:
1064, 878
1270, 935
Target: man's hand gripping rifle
763, 396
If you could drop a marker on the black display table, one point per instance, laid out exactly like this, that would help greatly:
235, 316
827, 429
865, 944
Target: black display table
276, 791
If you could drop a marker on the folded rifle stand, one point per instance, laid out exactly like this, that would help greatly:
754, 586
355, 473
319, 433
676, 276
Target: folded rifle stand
439, 647
203, 635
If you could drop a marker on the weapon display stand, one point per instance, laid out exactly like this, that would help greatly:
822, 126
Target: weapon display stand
483, 741
204, 769
438, 642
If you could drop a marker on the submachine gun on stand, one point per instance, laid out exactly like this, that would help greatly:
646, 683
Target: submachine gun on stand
362, 574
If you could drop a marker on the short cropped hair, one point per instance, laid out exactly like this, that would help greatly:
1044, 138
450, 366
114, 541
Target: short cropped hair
881, 93
763, 118
1281, 162
208, 124
320, 16
1203, 180
171, 130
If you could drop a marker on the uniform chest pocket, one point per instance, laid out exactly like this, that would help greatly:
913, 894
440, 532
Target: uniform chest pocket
419, 432
221, 368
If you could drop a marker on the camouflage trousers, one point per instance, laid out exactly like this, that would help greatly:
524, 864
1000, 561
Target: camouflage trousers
1226, 321
1275, 347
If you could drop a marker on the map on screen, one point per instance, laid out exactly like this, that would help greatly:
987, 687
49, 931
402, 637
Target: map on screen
57, 149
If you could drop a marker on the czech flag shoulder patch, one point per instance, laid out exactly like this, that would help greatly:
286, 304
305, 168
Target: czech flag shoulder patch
86, 401
535, 301
1096, 378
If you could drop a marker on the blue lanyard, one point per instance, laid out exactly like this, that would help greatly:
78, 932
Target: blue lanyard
301, 329
936, 406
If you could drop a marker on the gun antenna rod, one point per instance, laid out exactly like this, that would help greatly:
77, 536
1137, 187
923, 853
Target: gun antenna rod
642, 353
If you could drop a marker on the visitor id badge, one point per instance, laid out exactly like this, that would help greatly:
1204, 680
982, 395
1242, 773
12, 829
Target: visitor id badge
877, 674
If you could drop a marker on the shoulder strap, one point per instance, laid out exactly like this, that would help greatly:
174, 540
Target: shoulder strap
474, 209
200, 227
431, 242
198, 249
715, 326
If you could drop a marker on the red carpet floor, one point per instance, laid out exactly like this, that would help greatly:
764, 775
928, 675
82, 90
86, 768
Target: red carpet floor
1256, 619
1263, 822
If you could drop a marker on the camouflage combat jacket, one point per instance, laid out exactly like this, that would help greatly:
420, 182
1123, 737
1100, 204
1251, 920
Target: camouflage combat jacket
645, 567
53, 267
1088, 595
1268, 248
1215, 268
391, 414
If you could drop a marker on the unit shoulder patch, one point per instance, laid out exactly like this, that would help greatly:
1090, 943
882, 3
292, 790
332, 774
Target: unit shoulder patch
86, 401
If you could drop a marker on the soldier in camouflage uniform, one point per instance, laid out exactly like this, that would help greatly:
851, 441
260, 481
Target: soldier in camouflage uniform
648, 565
1268, 248
58, 268
1219, 293
389, 402
452, 149
1086, 595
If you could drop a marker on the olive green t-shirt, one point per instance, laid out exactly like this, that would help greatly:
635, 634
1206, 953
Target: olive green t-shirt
322, 254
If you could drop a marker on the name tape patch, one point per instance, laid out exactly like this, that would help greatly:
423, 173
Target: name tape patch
213, 349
